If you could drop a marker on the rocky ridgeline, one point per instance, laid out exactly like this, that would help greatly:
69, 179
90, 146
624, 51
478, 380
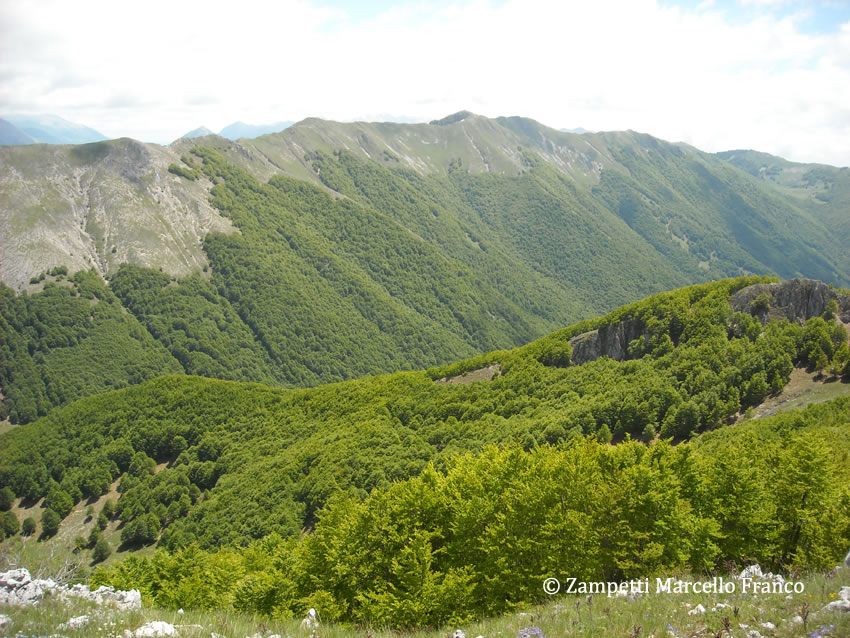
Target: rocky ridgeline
794, 299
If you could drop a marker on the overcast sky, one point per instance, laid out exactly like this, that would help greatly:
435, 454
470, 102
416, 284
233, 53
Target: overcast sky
773, 75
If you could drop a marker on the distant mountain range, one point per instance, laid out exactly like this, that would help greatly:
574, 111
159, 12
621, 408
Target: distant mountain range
18, 130
201, 131
239, 130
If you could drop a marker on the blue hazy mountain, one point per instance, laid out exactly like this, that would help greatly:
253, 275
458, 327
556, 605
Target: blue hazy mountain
239, 130
201, 131
51, 129
11, 135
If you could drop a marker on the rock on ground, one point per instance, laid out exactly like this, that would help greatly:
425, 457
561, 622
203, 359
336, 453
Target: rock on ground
78, 622
17, 587
155, 629
310, 621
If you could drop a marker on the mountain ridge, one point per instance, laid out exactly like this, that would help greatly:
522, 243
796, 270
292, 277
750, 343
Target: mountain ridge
318, 254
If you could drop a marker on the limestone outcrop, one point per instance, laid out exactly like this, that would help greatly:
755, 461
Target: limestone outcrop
794, 299
608, 341
18, 587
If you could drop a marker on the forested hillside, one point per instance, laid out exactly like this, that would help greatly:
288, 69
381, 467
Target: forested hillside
246, 460
478, 538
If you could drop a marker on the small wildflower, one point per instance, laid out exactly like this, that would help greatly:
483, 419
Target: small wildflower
531, 632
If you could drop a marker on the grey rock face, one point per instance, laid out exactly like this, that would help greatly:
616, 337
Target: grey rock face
795, 300
609, 341
98, 206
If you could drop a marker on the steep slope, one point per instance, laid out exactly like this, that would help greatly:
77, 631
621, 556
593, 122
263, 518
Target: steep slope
71, 340
99, 205
706, 219
823, 189
721, 216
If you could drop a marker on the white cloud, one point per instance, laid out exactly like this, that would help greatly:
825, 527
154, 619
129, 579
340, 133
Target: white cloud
696, 75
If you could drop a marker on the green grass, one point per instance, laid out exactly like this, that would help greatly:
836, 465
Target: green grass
803, 389
572, 615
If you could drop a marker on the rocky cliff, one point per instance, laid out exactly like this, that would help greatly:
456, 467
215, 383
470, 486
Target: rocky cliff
794, 299
608, 341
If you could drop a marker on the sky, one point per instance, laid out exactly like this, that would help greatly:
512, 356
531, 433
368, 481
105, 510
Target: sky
773, 75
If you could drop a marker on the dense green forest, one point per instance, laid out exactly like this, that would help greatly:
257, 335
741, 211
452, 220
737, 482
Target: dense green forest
479, 537
70, 340
245, 460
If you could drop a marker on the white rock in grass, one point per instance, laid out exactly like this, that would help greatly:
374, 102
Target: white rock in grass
699, 609
155, 629
797, 620
311, 621
459, 633
844, 593
5, 622
847, 560
754, 572
17, 587
768, 625
78, 622
838, 605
